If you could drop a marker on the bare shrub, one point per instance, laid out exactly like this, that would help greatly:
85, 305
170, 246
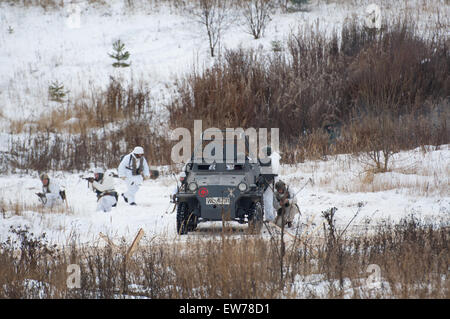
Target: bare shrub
412, 256
374, 139
377, 138
76, 152
257, 16
214, 16
129, 108
292, 5
398, 73
109, 124
390, 77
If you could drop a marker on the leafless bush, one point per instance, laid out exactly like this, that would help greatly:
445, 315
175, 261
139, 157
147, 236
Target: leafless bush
412, 256
378, 141
390, 77
57, 151
292, 5
93, 139
214, 16
257, 15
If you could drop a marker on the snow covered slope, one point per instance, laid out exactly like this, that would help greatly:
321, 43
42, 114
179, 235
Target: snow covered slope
38, 47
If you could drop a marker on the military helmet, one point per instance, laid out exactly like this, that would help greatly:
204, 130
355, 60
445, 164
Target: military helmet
280, 185
44, 176
99, 170
138, 150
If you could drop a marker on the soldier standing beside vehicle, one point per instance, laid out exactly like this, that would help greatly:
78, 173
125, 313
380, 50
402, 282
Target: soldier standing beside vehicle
133, 168
272, 159
103, 185
51, 192
284, 201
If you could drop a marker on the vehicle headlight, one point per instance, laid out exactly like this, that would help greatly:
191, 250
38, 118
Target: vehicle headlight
242, 187
192, 186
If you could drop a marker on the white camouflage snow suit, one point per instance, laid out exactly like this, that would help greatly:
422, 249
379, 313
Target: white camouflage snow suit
133, 169
106, 194
268, 194
51, 193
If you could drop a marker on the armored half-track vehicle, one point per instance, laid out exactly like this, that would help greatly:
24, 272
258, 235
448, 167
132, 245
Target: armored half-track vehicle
227, 190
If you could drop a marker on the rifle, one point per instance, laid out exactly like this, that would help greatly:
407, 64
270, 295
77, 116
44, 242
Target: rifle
309, 181
42, 197
89, 179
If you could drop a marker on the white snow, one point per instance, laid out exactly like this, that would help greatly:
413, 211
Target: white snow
40, 46
80, 223
164, 42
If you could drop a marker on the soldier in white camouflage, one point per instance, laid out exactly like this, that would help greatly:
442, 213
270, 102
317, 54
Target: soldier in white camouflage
51, 192
133, 169
103, 185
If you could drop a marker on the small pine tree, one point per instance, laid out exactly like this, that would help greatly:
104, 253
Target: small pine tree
119, 55
10, 30
56, 91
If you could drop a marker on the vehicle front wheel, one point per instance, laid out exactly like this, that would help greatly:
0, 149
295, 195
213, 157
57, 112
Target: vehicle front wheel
182, 216
255, 218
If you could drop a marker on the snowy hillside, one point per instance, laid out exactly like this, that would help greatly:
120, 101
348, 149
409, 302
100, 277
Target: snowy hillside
38, 47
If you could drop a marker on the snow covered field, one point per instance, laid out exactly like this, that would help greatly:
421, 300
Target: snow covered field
38, 47
417, 185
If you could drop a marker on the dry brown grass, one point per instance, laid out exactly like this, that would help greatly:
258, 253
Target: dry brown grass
18, 208
101, 128
45, 151
383, 91
413, 258
90, 111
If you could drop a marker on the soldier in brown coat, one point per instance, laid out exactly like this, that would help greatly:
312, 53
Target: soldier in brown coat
284, 202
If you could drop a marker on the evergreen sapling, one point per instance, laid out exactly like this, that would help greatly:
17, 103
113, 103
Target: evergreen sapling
119, 55
56, 92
